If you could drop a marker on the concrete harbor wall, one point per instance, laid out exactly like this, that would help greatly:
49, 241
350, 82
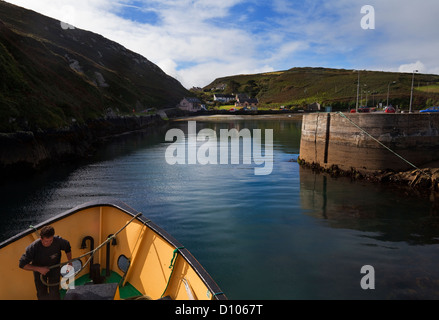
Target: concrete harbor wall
335, 139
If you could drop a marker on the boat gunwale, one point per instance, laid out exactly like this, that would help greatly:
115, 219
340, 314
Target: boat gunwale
110, 202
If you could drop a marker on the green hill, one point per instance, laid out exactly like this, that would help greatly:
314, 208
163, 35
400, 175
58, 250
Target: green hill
298, 87
52, 76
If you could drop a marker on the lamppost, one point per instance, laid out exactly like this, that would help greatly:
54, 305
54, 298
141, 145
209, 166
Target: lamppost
358, 91
388, 90
411, 95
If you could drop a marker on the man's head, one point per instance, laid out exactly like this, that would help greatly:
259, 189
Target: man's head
46, 234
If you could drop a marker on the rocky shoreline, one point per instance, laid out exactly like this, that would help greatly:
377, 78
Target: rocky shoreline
26, 152
421, 181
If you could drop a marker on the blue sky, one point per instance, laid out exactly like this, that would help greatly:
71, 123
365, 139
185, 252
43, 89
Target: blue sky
197, 41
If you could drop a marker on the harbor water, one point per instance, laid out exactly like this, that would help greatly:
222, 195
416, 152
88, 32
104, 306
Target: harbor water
289, 234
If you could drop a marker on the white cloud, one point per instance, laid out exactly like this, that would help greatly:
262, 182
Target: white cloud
168, 65
196, 41
410, 67
209, 71
286, 51
182, 37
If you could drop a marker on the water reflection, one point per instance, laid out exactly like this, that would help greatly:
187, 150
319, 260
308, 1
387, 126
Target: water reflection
376, 209
395, 233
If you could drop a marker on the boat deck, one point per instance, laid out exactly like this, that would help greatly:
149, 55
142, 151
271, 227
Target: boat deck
128, 291
149, 262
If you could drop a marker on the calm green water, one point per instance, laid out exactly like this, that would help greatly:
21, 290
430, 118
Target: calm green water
292, 234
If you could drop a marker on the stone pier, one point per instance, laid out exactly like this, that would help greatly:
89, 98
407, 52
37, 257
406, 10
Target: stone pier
350, 141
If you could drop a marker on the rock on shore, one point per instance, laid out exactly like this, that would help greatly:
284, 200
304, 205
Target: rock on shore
425, 179
422, 180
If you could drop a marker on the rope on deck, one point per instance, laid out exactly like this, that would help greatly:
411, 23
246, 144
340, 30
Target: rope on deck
171, 266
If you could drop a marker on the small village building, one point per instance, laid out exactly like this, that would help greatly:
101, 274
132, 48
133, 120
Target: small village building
314, 107
190, 104
244, 101
224, 98
220, 87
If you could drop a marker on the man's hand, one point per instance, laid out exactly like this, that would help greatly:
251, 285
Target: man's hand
43, 270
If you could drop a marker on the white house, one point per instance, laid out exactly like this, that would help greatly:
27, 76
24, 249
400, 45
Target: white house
225, 98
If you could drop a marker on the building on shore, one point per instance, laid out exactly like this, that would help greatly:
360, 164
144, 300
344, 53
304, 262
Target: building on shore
224, 98
190, 104
314, 107
244, 101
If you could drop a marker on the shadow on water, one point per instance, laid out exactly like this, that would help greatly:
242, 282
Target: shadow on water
31, 198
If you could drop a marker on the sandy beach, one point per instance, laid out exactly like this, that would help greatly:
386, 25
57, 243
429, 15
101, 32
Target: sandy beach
228, 117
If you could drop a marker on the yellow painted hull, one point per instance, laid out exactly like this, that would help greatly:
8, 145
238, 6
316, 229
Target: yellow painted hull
148, 248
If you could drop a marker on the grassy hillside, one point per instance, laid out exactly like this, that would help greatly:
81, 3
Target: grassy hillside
51, 77
331, 87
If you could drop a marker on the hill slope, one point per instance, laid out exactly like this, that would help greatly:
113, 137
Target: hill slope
331, 87
52, 76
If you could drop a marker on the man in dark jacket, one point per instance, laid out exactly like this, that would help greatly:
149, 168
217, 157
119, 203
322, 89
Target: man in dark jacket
42, 254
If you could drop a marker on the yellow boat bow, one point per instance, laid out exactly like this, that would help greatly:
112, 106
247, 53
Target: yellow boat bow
133, 258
